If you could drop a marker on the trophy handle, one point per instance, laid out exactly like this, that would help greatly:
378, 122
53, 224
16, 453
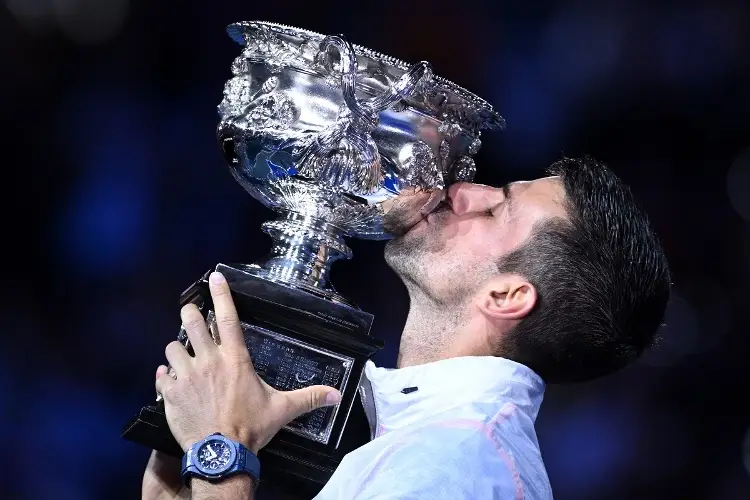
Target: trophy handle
346, 150
409, 84
364, 117
367, 111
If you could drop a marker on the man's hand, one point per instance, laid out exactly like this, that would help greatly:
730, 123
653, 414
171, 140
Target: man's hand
218, 390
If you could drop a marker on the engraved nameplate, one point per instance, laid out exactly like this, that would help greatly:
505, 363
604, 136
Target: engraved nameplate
287, 364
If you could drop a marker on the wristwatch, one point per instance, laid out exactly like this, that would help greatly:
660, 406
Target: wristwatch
217, 457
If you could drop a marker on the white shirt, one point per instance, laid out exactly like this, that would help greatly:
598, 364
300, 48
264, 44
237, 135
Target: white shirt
466, 432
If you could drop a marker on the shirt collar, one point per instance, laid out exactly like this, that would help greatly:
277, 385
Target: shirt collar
448, 383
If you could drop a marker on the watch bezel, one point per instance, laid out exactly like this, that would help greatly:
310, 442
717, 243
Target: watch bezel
215, 472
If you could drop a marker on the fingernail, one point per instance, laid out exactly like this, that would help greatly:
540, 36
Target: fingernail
333, 398
216, 278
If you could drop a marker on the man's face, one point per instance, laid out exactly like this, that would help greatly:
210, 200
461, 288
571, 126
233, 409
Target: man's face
449, 252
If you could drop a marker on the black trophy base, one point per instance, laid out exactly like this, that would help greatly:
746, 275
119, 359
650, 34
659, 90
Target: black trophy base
295, 339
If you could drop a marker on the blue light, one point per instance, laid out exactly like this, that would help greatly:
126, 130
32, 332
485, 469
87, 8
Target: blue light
533, 109
103, 229
600, 439
75, 424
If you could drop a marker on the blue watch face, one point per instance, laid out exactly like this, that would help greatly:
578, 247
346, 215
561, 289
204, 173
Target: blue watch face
214, 456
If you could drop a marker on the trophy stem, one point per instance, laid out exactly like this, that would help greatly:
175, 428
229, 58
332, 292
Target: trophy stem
302, 252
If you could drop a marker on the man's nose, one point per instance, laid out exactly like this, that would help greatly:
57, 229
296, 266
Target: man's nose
466, 197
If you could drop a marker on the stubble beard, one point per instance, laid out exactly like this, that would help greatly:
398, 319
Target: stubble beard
408, 253
404, 255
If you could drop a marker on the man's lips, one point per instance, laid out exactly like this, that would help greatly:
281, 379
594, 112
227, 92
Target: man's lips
409, 209
436, 197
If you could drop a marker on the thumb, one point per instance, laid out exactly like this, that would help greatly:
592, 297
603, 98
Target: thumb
311, 398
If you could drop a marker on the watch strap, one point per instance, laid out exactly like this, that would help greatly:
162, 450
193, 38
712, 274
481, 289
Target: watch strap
248, 462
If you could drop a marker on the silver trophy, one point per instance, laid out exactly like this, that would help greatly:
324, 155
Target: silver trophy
326, 134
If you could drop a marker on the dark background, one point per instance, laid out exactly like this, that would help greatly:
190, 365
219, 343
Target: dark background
119, 199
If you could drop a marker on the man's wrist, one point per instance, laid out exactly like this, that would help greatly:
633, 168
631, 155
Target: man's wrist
240, 486
218, 458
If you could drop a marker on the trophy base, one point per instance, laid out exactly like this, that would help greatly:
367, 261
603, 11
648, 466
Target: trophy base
295, 339
150, 426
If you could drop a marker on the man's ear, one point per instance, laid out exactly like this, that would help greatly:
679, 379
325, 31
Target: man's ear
507, 297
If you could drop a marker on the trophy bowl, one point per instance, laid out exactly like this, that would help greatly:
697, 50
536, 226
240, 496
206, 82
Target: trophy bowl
326, 133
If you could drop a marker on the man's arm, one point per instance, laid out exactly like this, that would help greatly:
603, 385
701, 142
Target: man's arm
218, 390
161, 480
239, 487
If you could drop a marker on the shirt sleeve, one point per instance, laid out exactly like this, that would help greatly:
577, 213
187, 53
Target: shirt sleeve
443, 464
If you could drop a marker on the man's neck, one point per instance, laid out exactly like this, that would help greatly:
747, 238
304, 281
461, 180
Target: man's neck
429, 330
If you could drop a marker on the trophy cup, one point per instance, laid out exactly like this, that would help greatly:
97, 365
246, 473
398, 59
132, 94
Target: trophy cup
325, 133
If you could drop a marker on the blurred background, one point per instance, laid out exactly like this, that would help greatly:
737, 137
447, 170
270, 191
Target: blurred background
119, 199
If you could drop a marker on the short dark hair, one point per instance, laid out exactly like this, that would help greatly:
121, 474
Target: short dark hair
601, 277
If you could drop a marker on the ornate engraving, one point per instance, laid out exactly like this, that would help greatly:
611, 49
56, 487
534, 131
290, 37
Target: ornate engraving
474, 147
449, 129
261, 111
464, 169
445, 151
420, 166
265, 44
344, 156
236, 97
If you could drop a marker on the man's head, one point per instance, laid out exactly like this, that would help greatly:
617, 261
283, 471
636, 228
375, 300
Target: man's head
563, 274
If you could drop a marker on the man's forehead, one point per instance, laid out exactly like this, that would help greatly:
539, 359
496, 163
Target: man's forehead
545, 193
551, 185
547, 180
551, 180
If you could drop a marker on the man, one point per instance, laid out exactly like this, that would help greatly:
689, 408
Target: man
556, 280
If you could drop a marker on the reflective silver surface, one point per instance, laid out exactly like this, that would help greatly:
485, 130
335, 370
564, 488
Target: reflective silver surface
324, 132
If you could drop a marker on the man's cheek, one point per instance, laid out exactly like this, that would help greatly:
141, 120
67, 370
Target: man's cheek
400, 220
